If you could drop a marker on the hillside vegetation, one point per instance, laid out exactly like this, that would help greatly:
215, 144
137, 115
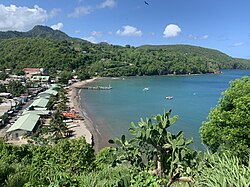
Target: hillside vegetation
44, 47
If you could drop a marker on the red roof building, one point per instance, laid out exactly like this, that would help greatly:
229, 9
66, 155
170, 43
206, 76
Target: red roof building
33, 70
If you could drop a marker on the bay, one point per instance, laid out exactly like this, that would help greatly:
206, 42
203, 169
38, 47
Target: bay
193, 98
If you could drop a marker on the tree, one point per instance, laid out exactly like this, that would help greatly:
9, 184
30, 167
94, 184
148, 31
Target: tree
2, 88
16, 88
65, 76
228, 125
3, 75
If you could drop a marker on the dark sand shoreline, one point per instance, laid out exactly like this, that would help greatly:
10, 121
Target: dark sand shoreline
99, 132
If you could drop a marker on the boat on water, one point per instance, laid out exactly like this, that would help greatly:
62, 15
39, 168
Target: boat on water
145, 89
169, 97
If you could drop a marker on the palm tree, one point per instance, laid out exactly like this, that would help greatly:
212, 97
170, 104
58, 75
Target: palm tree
58, 129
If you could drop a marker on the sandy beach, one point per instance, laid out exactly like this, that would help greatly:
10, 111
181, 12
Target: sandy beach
86, 127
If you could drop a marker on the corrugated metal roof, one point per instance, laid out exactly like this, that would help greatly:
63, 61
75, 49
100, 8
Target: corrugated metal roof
26, 122
49, 91
37, 112
52, 86
44, 95
41, 102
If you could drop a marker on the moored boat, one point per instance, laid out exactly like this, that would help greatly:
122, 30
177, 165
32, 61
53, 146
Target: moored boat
169, 97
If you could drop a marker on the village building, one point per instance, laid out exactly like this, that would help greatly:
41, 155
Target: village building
41, 81
6, 95
20, 78
40, 78
33, 71
24, 125
48, 92
42, 113
32, 117
39, 104
5, 107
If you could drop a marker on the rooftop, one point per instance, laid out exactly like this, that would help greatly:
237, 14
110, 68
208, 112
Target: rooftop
26, 122
31, 69
50, 92
40, 78
37, 112
41, 102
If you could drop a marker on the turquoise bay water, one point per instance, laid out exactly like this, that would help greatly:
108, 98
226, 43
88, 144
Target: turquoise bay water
193, 97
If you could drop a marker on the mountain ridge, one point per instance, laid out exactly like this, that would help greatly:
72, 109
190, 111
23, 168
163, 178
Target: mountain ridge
38, 31
55, 50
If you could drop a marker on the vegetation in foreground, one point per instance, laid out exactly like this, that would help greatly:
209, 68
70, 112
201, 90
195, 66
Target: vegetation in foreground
153, 157
228, 124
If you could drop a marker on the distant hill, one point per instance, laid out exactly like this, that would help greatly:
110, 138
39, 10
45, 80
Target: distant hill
55, 50
38, 31
191, 50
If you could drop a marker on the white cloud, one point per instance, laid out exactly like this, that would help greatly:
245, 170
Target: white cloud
171, 31
54, 12
77, 31
79, 11
21, 18
238, 44
108, 4
91, 39
58, 26
129, 31
96, 33
84, 10
204, 36
198, 37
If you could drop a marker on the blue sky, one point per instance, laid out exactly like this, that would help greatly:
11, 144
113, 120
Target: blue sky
217, 24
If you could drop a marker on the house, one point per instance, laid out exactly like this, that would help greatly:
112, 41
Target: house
20, 78
41, 79
39, 104
49, 92
6, 95
26, 124
32, 71
43, 113
5, 107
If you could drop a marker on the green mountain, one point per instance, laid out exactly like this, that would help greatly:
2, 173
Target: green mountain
38, 31
53, 49
191, 50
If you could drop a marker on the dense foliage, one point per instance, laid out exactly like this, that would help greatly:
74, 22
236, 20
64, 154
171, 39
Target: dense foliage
222, 170
157, 150
228, 125
154, 157
16, 88
34, 165
68, 54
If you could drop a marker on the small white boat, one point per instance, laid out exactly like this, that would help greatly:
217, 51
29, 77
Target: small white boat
169, 97
145, 89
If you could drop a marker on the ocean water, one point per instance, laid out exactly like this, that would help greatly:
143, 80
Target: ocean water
193, 98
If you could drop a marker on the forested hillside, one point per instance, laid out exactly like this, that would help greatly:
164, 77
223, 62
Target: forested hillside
44, 47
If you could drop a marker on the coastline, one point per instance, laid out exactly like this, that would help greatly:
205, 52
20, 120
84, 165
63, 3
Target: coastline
95, 135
